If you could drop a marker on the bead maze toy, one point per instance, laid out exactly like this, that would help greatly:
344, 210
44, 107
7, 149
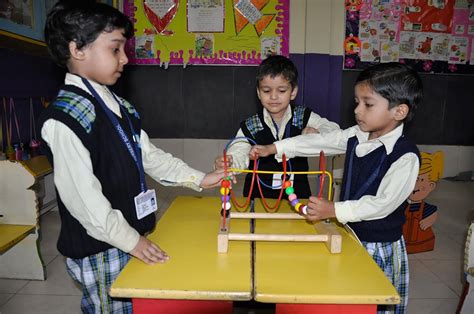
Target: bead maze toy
325, 230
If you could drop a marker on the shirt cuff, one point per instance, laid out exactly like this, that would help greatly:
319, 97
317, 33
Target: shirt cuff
286, 147
127, 241
194, 181
344, 212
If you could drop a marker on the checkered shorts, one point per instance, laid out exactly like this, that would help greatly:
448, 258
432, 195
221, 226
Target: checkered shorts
393, 260
95, 274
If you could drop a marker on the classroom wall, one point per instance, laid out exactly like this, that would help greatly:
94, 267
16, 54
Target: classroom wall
193, 111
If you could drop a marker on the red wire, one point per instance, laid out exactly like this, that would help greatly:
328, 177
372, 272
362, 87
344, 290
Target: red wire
266, 206
322, 167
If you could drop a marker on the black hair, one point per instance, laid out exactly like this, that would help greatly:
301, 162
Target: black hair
278, 65
82, 22
396, 82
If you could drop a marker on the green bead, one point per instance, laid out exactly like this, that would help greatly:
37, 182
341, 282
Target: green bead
289, 190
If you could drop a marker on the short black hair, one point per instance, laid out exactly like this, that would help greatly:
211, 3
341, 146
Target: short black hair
278, 65
82, 22
396, 82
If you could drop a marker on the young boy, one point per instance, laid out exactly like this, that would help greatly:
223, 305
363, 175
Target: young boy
277, 86
380, 171
100, 154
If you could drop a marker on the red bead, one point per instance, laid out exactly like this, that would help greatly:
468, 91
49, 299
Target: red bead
225, 183
286, 184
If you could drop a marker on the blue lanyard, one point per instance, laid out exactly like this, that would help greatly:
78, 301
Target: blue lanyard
287, 130
133, 148
367, 183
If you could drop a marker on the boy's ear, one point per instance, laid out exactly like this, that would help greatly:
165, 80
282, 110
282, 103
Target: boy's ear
258, 93
75, 52
401, 112
294, 92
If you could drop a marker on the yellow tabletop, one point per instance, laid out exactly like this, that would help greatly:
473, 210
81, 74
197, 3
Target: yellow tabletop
12, 234
308, 273
188, 233
38, 166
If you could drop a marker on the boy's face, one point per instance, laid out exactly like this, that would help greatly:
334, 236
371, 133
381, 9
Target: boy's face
103, 60
275, 95
372, 113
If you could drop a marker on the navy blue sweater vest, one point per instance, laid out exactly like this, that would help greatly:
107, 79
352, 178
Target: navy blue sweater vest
255, 129
111, 162
388, 229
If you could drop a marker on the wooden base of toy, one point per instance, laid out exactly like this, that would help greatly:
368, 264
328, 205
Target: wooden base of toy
326, 232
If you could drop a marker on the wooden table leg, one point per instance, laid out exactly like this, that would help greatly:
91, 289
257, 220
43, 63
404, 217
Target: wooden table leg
164, 306
286, 308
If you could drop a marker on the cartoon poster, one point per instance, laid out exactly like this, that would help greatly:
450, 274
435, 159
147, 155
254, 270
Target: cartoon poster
430, 35
427, 15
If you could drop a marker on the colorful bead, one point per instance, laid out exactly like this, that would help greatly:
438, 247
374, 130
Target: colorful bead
225, 183
294, 202
226, 205
291, 197
304, 209
224, 191
289, 190
298, 206
286, 184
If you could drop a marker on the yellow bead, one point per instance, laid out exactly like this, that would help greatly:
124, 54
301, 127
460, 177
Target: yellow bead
297, 207
224, 191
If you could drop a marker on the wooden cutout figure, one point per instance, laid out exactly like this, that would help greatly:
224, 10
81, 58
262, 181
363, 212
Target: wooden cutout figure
420, 216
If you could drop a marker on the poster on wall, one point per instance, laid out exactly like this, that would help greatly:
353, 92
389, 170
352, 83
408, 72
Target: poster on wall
239, 32
434, 36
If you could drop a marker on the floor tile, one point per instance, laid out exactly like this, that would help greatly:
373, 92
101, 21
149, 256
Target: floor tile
41, 304
4, 297
432, 306
58, 281
11, 285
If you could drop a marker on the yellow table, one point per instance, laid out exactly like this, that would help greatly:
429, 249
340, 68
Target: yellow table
12, 234
195, 272
299, 277
305, 278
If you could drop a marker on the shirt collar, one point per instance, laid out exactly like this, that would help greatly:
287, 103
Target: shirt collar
284, 121
388, 140
102, 90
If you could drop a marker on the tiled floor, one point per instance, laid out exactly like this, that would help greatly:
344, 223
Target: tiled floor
435, 282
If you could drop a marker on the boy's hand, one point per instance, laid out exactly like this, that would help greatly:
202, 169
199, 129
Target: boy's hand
213, 179
219, 162
149, 252
309, 130
319, 209
262, 151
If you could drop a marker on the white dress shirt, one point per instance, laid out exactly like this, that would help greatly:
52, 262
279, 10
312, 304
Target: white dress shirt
81, 191
240, 149
395, 187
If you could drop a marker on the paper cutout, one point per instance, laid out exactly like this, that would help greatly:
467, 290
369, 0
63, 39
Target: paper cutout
248, 11
160, 13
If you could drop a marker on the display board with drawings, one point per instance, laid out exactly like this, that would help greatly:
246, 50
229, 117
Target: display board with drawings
218, 32
433, 36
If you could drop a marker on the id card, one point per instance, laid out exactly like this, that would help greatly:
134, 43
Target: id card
276, 182
145, 203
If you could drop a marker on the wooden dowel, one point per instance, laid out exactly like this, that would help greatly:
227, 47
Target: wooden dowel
278, 237
238, 215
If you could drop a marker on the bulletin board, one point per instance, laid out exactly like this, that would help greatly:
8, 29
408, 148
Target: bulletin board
217, 32
433, 36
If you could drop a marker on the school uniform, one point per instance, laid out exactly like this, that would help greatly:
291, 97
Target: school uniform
97, 178
262, 130
379, 175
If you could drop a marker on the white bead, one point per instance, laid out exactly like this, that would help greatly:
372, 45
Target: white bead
304, 209
226, 205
